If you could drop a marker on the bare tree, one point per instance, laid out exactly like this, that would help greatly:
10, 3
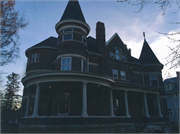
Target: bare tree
11, 23
173, 59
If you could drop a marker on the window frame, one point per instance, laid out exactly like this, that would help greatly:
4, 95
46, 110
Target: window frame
60, 102
116, 54
113, 56
84, 38
82, 65
115, 73
35, 56
67, 34
64, 65
66, 30
122, 75
151, 80
124, 57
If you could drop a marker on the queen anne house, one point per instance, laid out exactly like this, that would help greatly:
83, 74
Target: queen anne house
76, 79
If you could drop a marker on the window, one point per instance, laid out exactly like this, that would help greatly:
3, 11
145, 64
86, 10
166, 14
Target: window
64, 103
115, 74
67, 37
170, 111
112, 55
117, 54
83, 65
83, 39
123, 75
67, 30
35, 57
66, 64
153, 80
123, 57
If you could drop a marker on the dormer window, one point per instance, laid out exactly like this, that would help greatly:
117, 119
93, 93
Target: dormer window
112, 55
35, 57
67, 37
153, 80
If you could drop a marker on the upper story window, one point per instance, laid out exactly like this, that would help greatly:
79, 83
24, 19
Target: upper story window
115, 74
117, 54
68, 36
123, 75
64, 103
83, 65
170, 111
123, 57
153, 80
112, 55
67, 30
35, 57
66, 64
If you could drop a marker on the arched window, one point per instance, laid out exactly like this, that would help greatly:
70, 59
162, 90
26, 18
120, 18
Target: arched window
170, 111
118, 54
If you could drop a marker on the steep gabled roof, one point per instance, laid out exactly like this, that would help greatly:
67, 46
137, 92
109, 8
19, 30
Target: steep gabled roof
49, 42
73, 11
147, 56
113, 38
91, 45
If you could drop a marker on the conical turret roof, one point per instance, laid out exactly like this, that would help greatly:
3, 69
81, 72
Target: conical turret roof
147, 56
73, 11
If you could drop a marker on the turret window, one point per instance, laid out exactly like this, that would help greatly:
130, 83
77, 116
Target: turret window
67, 30
67, 37
84, 39
153, 80
35, 57
66, 64
83, 65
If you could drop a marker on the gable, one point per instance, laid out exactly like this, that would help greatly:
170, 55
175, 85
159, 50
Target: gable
114, 42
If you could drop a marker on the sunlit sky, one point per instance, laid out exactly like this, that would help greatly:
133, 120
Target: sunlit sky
118, 18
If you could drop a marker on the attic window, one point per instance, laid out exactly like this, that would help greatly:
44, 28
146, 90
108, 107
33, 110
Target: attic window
117, 54
67, 37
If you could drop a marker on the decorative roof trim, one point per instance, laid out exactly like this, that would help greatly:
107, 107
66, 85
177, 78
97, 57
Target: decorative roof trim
111, 39
39, 47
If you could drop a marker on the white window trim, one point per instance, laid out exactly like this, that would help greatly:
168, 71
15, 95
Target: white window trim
59, 105
66, 34
156, 77
70, 63
121, 75
114, 73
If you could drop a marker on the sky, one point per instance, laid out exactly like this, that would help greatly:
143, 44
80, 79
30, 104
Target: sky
120, 18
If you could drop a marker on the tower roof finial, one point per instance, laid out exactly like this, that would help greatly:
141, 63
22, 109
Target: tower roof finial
144, 35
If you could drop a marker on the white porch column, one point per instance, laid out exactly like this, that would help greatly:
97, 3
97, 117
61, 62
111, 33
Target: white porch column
36, 103
84, 106
27, 105
111, 103
126, 104
159, 107
145, 105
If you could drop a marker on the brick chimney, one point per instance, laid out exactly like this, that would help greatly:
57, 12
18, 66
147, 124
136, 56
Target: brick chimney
100, 37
